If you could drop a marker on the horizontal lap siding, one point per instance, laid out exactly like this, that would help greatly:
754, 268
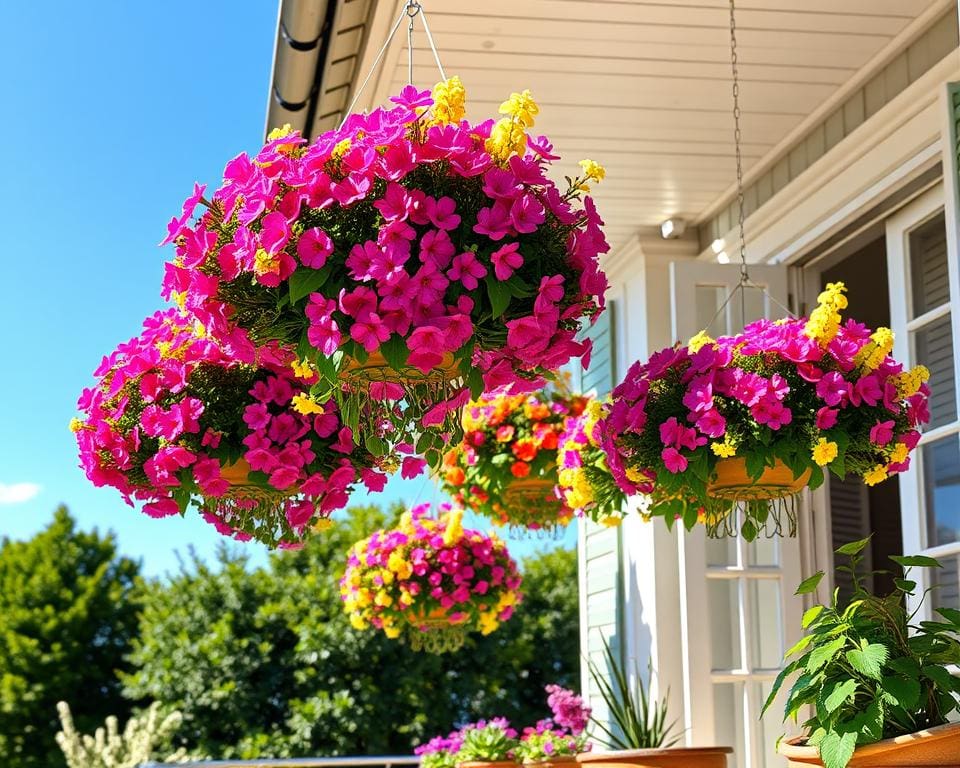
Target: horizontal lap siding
601, 581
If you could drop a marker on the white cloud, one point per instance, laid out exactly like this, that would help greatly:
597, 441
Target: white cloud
17, 493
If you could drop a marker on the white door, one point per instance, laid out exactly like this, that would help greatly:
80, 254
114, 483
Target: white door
923, 266
738, 610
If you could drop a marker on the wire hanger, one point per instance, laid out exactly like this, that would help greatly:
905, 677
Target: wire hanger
411, 11
745, 281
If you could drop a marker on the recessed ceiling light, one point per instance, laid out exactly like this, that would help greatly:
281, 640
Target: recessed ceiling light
672, 228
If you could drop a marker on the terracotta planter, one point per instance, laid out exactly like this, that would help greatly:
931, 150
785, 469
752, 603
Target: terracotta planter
679, 757
732, 482
376, 368
561, 761
481, 764
938, 746
238, 475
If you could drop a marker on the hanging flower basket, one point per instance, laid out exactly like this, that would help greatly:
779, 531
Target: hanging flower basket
430, 582
584, 480
410, 256
727, 432
505, 468
174, 421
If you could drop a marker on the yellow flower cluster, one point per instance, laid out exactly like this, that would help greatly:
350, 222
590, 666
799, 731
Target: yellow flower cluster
908, 382
698, 342
302, 369
449, 101
592, 171
876, 475
509, 136
577, 491
873, 353
724, 450
824, 321
824, 452
305, 405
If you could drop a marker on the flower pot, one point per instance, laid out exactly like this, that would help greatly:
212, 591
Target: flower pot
238, 475
560, 761
679, 757
939, 746
376, 368
731, 481
529, 491
494, 764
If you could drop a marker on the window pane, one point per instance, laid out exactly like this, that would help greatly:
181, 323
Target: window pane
764, 596
770, 726
929, 282
941, 487
722, 551
724, 623
764, 551
728, 716
933, 347
947, 581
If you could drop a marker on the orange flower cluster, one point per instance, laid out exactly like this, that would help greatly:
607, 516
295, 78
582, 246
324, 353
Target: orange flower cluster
508, 439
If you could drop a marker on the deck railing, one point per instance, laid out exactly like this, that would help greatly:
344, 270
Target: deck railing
383, 761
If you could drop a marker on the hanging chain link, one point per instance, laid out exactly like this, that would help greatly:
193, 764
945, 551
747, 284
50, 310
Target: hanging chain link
737, 137
412, 9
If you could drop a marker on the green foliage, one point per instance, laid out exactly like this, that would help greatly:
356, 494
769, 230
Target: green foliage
67, 614
489, 744
639, 723
869, 672
264, 663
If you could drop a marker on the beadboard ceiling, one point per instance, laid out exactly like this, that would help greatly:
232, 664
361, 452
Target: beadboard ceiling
644, 87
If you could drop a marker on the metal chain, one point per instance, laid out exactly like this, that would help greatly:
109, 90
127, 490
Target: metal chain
737, 137
412, 9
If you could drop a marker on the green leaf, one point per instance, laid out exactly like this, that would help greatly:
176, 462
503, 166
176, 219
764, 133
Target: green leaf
939, 675
475, 382
854, 547
755, 462
749, 530
305, 281
836, 749
395, 352
802, 643
920, 561
869, 659
905, 585
811, 615
950, 614
839, 694
499, 293
809, 585
903, 693
823, 654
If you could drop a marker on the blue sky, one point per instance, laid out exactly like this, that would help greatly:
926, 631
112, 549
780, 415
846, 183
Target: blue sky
112, 111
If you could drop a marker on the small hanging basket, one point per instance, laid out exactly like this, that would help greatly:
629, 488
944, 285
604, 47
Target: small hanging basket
535, 497
436, 632
732, 482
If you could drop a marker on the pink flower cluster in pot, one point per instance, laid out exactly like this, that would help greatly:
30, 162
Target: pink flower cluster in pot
409, 257
175, 421
814, 394
430, 575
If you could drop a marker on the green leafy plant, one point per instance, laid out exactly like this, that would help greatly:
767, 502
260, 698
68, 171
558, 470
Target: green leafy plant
488, 742
866, 668
639, 723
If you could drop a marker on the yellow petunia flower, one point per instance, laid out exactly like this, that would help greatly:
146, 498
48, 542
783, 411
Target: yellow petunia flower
454, 530
899, 453
521, 107
699, 341
724, 450
824, 452
876, 475
302, 369
305, 405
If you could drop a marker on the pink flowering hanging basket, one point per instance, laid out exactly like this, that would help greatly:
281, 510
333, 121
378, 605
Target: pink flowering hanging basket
413, 258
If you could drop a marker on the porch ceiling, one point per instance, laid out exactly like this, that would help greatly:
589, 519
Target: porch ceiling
643, 86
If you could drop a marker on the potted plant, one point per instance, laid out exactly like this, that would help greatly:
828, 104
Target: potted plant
639, 734
412, 257
584, 480
747, 421
879, 683
505, 468
440, 751
430, 581
560, 738
487, 744
175, 421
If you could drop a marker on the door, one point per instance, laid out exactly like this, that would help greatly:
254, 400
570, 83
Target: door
924, 292
744, 592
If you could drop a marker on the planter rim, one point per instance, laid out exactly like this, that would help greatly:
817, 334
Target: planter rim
790, 748
617, 754
479, 763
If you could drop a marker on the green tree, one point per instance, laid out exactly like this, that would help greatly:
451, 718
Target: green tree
264, 663
68, 610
